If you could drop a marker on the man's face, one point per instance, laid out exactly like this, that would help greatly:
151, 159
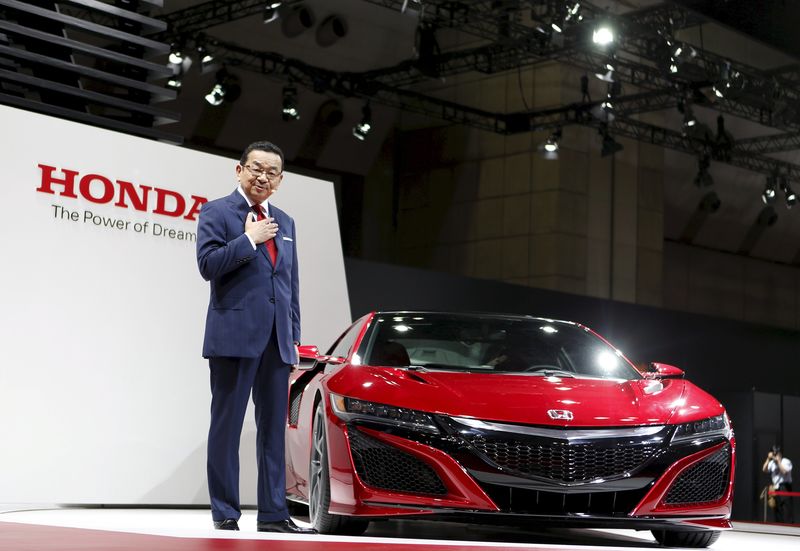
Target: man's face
260, 176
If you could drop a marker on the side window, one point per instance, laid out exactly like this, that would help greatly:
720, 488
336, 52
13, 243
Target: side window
345, 342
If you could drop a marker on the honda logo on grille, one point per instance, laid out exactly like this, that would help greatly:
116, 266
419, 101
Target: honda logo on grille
562, 414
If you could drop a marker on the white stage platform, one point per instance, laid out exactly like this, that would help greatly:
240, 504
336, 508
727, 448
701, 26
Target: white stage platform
45, 528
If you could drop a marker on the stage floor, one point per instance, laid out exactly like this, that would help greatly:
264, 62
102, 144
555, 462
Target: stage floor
115, 529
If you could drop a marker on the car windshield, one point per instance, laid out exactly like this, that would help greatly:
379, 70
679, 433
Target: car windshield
492, 344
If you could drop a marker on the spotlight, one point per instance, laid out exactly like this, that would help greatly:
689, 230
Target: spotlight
178, 59
729, 81
791, 196
174, 82
271, 12
689, 120
216, 96
361, 129
768, 196
607, 73
227, 88
703, 178
176, 55
680, 54
566, 16
603, 34
551, 145
610, 146
208, 62
331, 30
290, 111
710, 202
296, 20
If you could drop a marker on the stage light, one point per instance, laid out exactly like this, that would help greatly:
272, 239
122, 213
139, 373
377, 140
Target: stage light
679, 54
217, 95
176, 55
208, 62
566, 15
689, 120
603, 34
174, 82
610, 146
729, 81
296, 19
607, 73
332, 29
290, 112
271, 11
703, 177
710, 202
363, 128
788, 193
768, 196
551, 144
227, 88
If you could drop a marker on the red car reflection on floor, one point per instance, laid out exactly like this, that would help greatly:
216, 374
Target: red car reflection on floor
507, 419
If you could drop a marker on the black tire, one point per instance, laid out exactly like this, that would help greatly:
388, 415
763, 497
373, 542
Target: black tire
677, 538
319, 498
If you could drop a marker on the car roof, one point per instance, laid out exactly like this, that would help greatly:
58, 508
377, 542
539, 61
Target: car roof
474, 315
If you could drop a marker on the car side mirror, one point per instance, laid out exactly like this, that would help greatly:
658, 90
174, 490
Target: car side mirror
308, 352
310, 357
663, 371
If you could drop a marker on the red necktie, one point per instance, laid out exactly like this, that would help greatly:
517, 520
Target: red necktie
272, 250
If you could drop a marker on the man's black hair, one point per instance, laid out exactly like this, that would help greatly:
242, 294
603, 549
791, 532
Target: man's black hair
269, 147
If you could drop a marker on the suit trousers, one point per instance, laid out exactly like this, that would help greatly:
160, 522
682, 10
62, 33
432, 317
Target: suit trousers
232, 382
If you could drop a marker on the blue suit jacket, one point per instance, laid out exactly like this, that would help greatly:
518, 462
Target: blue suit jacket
249, 296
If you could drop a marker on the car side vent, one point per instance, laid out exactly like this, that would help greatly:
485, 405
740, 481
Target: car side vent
385, 467
704, 482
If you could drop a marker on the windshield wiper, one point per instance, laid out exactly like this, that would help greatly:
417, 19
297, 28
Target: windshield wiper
553, 373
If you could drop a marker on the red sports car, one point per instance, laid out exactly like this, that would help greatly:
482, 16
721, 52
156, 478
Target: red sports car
510, 419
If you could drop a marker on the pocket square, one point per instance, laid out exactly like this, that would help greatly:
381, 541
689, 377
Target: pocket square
288, 239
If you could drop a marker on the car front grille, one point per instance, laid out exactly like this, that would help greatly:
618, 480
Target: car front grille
385, 467
560, 460
704, 482
537, 502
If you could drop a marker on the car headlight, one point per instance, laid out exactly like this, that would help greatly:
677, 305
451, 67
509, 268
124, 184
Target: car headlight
349, 409
713, 426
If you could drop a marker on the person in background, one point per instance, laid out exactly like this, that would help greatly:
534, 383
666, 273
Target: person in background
780, 471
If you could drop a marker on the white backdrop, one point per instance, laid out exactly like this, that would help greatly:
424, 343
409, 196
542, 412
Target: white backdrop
104, 395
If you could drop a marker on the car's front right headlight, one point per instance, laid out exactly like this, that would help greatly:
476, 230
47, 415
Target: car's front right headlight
349, 409
712, 426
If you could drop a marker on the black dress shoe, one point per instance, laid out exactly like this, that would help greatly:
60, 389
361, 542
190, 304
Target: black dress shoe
227, 524
284, 527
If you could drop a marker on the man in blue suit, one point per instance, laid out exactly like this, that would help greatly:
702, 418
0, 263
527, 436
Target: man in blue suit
247, 250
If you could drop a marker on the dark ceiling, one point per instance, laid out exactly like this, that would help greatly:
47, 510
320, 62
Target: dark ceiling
411, 58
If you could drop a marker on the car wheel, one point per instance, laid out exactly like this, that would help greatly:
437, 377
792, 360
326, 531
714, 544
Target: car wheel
677, 538
320, 490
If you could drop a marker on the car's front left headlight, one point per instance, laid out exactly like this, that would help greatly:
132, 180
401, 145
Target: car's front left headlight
712, 426
349, 409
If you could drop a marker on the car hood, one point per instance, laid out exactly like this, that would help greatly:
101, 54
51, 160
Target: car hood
528, 399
